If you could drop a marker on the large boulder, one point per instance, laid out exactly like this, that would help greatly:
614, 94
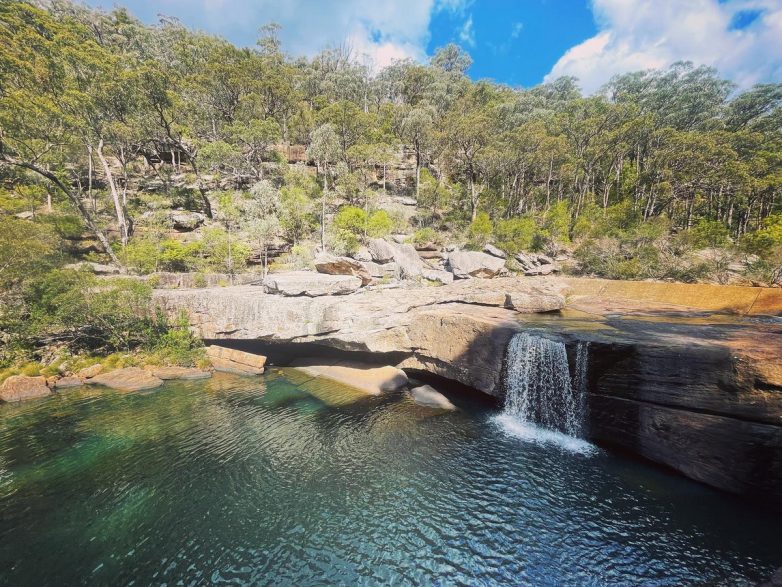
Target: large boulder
409, 264
307, 283
429, 397
70, 381
495, 252
185, 220
379, 271
127, 379
90, 371
371, 379
234, 361
20, 387
466, 264
381, 250
545, 269
444, 277
333, 265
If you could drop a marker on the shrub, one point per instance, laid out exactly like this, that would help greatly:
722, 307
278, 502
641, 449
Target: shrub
515, 234
426, 235
480, 230
765, 241
351, 219
379, 224
710, 233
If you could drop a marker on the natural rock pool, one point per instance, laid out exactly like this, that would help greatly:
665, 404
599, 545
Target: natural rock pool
287, 480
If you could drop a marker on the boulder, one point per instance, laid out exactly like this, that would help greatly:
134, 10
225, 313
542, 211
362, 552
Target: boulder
525, 260
234, 361
546, 269
332, 265
544, 259
405, 201
379, 271
381, 250
428, 396
20, 387
466, 264
186, 221
166, 373
371, 379
430, 254
426, 247
363, 254
399, 238
495, 252
409, 264
307, 283
96, 268
444, 277
90, 371
127, 379
71, 381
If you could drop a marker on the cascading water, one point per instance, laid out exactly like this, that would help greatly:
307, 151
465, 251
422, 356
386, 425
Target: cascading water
539, 391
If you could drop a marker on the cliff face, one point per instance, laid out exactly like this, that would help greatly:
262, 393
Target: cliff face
700, 394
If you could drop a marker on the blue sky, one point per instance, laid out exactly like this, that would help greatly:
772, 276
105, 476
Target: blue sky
517, 42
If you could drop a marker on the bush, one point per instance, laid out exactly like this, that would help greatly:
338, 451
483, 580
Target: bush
710, 233
515, 234
380, 224
351, 219
480, 230
426, 235
765, 241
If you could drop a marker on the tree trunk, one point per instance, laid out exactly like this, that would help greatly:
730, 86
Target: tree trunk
89, 178
123, 227
323, 207
75, 200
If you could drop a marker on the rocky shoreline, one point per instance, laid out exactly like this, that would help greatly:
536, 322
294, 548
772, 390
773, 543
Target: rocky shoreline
696, 391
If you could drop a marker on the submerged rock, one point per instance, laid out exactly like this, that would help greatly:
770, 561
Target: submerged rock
307, 283
428, 396
20, 387
466, 264
166, 373
371, 379
332, 265
234, 361
127, 379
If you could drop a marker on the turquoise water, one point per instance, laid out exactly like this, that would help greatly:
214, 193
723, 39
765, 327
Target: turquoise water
286, 481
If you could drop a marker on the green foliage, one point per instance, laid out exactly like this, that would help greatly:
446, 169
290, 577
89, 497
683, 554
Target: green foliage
379, 224
515, 234
351, 219
480, 230
767, 240
25, 248
426, 235
710, 233
296, 213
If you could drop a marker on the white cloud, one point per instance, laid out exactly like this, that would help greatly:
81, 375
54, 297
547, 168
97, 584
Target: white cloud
383, 31
642, 34
516, 30
467, 32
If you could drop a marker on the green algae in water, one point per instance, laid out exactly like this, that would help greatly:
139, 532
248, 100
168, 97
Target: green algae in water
288, 480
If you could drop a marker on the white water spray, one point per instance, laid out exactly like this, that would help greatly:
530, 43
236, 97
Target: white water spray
541, 401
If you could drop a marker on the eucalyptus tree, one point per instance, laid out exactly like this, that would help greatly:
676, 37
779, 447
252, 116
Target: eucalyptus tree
325, 148
415, 127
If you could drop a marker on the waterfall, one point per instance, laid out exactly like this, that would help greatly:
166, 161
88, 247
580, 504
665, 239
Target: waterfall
538, 386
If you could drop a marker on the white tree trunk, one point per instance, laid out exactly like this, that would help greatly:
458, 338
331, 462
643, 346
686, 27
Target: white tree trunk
123, 227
